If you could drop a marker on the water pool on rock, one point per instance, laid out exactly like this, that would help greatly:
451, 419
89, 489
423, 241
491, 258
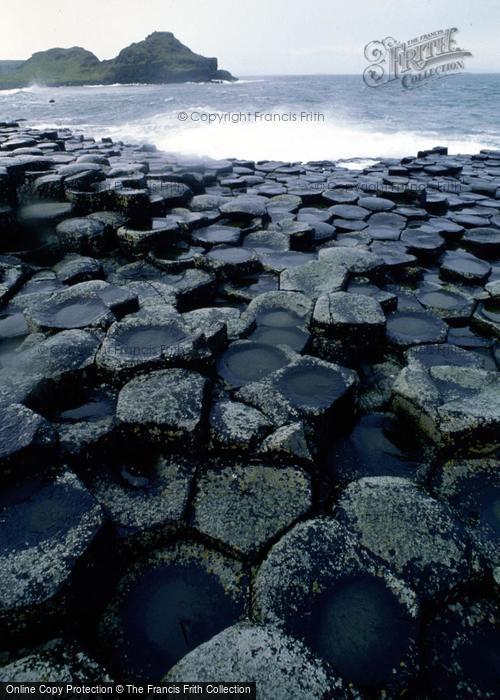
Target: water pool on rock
295, 338
408, 328
375, 447
246, 362
358, 627
168, 605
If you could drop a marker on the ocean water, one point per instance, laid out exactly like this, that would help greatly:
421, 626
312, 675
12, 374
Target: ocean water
459, 111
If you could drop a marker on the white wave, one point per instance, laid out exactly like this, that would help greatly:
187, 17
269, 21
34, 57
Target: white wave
114, 85
249, 80
287, 141
16, 91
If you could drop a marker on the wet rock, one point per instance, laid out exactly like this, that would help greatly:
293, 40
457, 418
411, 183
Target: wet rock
167, 404
280, 310
407, 328
41, 285
349, 211
387, 300
244, 207
493, 289
80, 306
46, 528
153, 497
425, 356
483, 241
460, 266
20, 142
74, 269
314, 214
231, 262
266, 241
307, 388
287, 444
131, 202
394, 255
154, 233
300, 234
143, 343
76, 168
387, 219
219, 323
314, 278
374, 447
413, 533
84, 236
246, 361
13, 330
236, 427
356, 261
167, 605
354, 320
349, 225
456, 407
422, 243
247, 288
340, 196
293, 337
27, 440
448, 229
461, 643
12, 276
472, 489
86, 425
469, 220
61, 362
44, 214
323, 588
452, 307
187, 286
206, 202
217, 235
278, 262
61, 663
177, 257
244, 507
487, 318
112, 221
376, 203
280, 665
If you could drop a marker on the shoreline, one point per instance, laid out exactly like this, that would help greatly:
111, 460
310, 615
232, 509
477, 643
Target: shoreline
245, 404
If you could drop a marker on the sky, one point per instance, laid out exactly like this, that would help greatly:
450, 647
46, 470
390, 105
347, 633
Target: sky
252, 37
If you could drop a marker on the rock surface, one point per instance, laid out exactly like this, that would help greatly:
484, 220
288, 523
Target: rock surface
280, 665
219, 354
245, 507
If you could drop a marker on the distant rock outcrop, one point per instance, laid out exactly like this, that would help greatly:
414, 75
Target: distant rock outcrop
160, 58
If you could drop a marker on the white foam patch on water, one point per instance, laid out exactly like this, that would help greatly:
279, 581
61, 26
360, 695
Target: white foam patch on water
288, 141
17, 91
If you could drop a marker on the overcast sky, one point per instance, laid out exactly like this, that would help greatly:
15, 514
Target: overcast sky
252, 37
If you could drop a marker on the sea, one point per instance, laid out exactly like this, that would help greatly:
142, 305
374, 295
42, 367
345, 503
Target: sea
291, 118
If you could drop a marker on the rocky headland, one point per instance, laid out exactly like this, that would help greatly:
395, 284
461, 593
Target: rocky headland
160, 58
249, 420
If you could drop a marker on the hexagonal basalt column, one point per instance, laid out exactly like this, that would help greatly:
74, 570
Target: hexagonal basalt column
414, 533
46, 529
244, 507
168, 404
320, 586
